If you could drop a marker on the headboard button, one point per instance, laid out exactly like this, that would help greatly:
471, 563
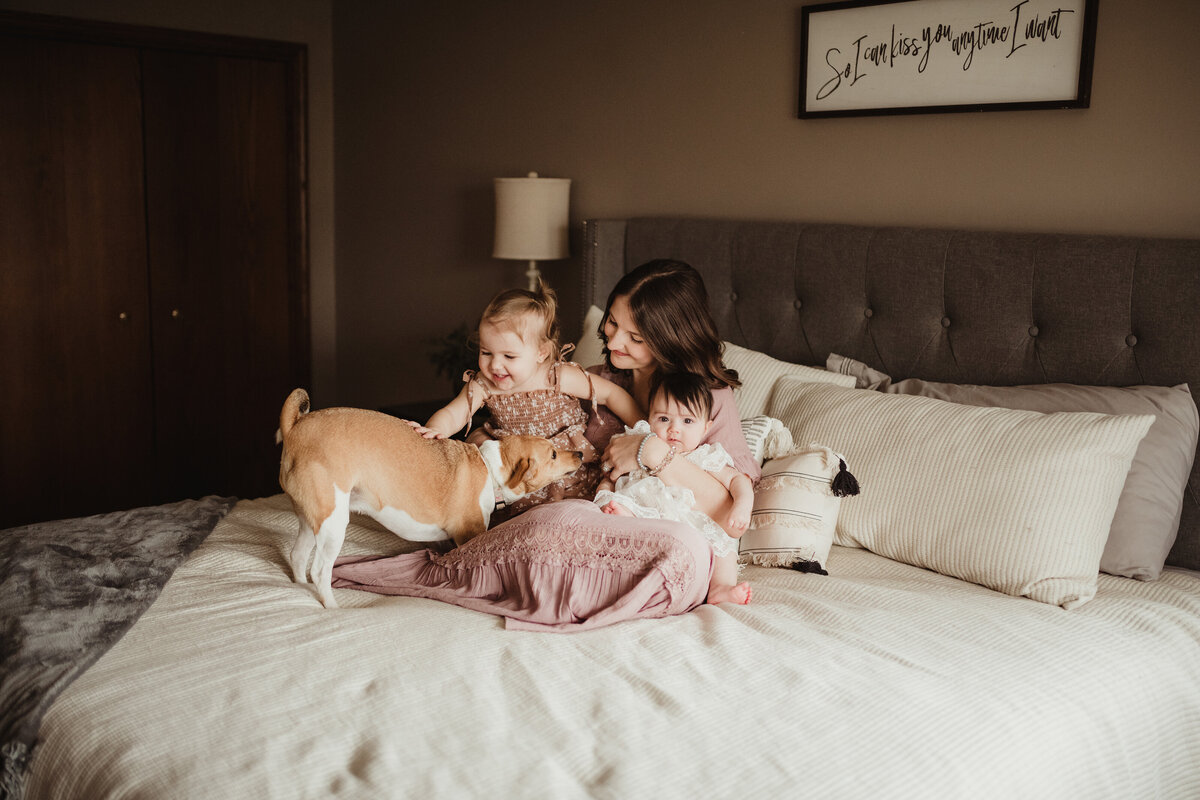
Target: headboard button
1131, 340
796, 304
733, 297
1033, 330
945, 322
868, 313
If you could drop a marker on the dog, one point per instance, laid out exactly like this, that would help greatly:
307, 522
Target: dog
339, 460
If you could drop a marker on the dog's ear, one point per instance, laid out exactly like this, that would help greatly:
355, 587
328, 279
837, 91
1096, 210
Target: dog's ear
520, 469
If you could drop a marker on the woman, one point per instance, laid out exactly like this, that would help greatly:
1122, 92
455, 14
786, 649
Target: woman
568, 565
657, 318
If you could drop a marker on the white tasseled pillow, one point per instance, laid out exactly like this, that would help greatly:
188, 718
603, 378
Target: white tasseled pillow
795, 510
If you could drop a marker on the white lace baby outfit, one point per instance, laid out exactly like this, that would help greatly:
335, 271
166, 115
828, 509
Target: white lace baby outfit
646, 496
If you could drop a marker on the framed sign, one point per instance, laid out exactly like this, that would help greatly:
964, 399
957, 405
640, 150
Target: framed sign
930, 56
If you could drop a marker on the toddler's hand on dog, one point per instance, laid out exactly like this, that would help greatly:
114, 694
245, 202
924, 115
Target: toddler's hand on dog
428, 433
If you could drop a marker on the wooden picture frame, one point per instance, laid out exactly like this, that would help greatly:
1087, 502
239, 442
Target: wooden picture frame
871, 57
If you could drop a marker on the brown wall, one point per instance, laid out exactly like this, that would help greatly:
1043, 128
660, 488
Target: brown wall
688, 107
655, 106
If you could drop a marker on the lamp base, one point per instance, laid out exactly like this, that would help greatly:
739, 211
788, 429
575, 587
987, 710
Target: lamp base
534, 275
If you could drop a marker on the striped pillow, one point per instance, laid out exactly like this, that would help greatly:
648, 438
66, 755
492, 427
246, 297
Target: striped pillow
795, 511
1017, 501
766, 437
758, 373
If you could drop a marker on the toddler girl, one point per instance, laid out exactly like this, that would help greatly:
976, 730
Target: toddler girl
680, 405
529, 389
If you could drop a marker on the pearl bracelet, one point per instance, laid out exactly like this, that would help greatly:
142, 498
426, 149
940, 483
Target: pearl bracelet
641, 449
662, 464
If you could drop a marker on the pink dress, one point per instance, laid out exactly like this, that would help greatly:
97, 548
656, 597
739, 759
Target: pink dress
565, 566
559, 567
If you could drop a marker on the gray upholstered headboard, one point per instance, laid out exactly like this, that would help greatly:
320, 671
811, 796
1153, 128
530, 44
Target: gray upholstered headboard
942, 305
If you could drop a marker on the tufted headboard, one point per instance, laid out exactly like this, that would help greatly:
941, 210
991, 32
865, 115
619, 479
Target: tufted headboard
941, 305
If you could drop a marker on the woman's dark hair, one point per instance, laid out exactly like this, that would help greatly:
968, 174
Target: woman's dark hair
688, 389
669, 305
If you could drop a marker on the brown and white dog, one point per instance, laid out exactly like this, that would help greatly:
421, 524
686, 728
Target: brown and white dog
339, 460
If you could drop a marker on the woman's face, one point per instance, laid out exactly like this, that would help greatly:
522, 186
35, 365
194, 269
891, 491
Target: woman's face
626, 348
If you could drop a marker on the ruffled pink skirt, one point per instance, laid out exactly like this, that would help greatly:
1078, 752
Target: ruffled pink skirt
563, 566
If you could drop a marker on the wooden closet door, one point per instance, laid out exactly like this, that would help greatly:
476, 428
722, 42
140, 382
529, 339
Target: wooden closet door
76, 419
217, 145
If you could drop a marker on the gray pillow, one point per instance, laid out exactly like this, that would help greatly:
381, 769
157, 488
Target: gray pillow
864, 377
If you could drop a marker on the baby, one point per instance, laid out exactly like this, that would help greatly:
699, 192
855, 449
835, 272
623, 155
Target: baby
529, 389
680, 404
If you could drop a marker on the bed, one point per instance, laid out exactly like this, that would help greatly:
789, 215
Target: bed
889, 676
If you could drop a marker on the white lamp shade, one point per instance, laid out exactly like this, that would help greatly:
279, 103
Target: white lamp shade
531, 218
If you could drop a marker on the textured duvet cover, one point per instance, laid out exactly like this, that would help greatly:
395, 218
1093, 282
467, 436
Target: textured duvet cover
878, 680
69, 589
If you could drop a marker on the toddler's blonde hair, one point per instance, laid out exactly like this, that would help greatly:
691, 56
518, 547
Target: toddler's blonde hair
515, 309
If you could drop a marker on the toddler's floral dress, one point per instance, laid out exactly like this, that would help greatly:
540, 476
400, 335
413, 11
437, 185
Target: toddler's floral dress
552, 414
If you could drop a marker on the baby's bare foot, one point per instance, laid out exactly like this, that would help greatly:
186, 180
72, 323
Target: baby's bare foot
613, 508
739, 594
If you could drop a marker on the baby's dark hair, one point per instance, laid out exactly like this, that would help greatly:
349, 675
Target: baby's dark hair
686, 388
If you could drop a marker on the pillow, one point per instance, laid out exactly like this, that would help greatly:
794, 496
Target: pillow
1147, 517
864, 377
1014, 500
766, 437
1146, 522
589, 350
758, 373
795, 511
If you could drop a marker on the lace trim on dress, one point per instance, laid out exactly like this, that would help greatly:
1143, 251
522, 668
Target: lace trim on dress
582, 547
817, 484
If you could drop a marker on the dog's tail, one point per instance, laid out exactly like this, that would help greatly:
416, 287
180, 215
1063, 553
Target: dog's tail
295, 407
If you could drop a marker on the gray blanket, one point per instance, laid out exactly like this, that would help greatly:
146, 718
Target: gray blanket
69, 590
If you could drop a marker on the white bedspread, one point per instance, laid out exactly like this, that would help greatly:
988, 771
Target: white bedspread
880, 680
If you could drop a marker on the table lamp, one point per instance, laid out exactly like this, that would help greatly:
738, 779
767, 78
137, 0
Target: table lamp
531, 221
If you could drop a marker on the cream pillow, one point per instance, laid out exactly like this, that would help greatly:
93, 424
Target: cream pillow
758, 373
1146, 522
795, 511
1147, 518
589, 350
1017, 501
